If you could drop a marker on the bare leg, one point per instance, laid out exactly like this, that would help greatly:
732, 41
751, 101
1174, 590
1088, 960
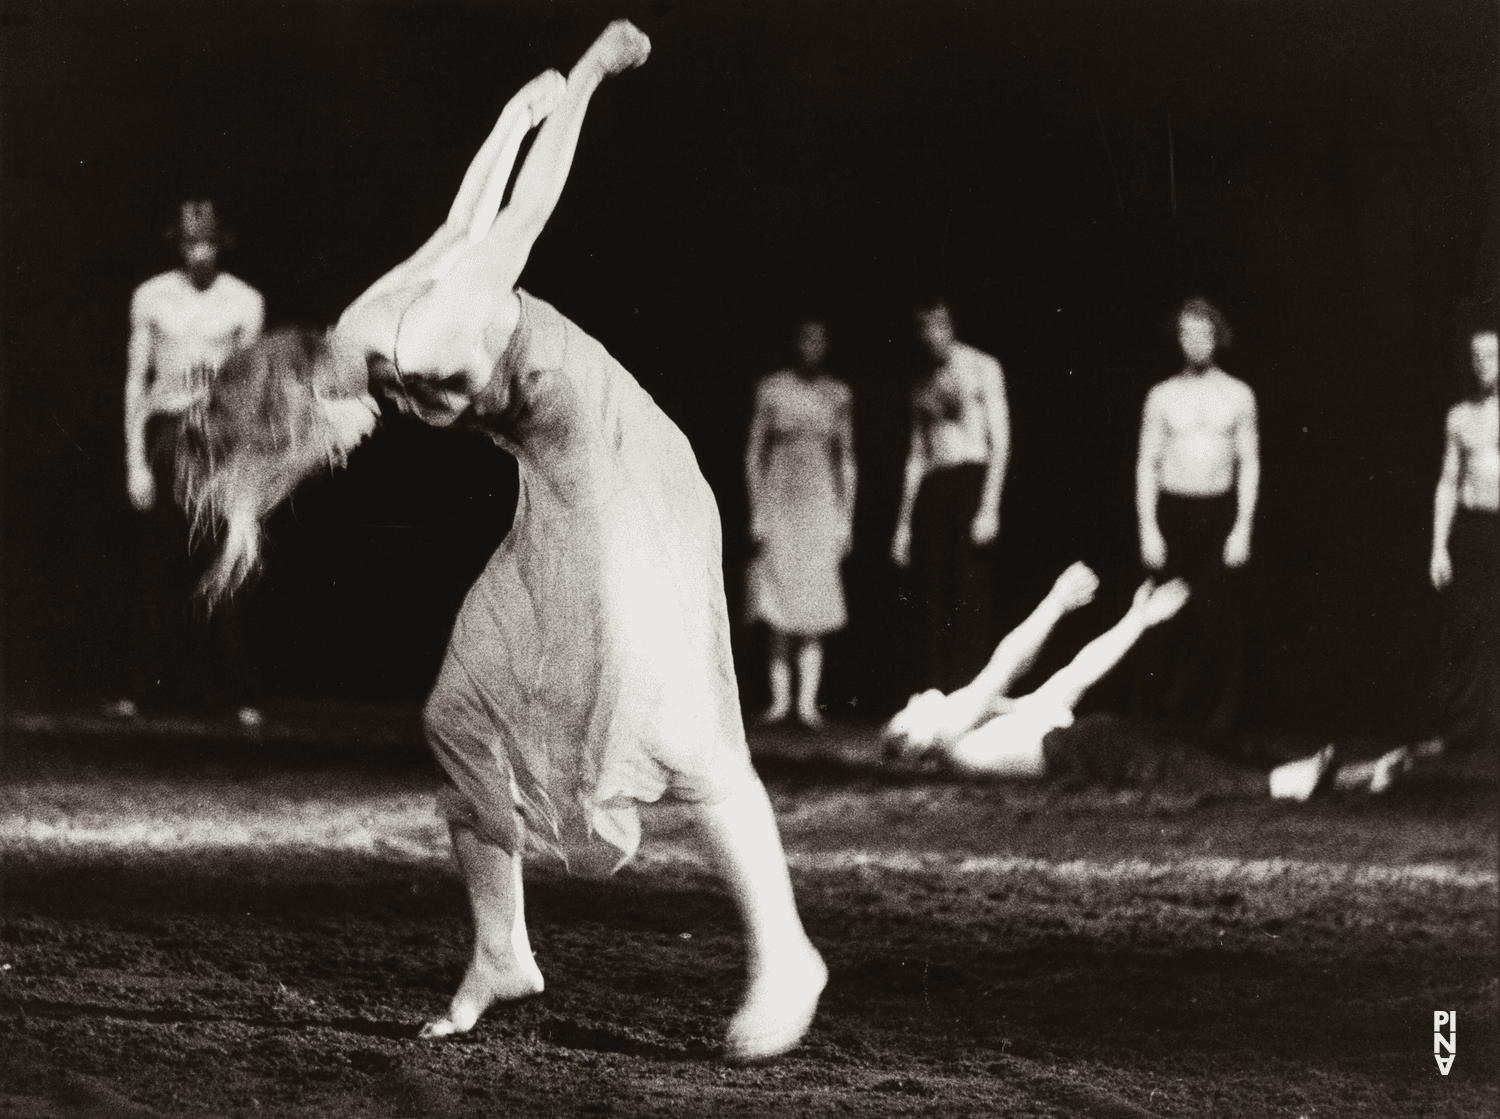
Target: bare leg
781, 678
784, 971
1375, 776
809, 676
502, 967
1152, 606
1298, 780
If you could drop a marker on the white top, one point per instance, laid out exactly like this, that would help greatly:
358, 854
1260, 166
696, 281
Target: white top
185, 328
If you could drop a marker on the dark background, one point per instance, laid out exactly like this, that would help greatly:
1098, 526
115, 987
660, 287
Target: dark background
1068, 169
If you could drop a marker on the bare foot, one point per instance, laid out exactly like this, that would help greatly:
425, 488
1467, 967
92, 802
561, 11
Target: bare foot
493, 976
1300, 779
810, 717
1388, 768
1076, 586
621, 46
778, 1008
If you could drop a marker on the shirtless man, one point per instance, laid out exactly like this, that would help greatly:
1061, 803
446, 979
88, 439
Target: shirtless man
1465, 563
1197, 479
182, 322
950, 500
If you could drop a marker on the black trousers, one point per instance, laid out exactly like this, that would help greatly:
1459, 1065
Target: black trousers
181, 659
1188, 669
1471, 632
1102, 749
952, 581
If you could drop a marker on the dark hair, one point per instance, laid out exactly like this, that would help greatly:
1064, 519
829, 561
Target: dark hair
931, 299
256, 431
1200, 308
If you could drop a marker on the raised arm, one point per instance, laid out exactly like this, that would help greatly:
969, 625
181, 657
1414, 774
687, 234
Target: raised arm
1247, 478
1147, 464
986, 524
138, 480
463, 323
1445, 504
911, 484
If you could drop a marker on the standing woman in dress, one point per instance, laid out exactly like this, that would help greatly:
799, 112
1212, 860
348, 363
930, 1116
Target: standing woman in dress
799, 467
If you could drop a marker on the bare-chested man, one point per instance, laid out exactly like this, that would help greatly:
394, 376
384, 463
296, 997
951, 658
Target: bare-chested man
950, 500
1197, 479
1466, 556
182, 323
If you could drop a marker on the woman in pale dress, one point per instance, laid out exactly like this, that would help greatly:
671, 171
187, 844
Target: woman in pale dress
799, 469
589, 669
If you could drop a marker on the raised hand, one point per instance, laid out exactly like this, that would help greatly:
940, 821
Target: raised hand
1075, 587
1164, 601
621, 46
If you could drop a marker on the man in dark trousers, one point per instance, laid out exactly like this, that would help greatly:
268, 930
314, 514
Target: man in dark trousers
183, 323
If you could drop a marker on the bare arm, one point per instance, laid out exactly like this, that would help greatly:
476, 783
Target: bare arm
911, 485
848, 470
1247, 475
464, 322
138, 480
1444, 505
755, 455
1148, 460
997, 423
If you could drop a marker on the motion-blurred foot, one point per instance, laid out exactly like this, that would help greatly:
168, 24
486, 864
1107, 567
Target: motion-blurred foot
1389, 768
250, 718
122, 709
1300, 779
778, 1008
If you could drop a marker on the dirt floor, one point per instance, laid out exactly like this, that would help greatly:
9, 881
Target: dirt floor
231, 926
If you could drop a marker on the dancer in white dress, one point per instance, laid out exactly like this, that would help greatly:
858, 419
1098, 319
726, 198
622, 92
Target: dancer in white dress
589, 668
800, 473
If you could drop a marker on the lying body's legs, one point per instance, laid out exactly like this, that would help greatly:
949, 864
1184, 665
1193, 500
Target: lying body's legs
502, 967
785, 973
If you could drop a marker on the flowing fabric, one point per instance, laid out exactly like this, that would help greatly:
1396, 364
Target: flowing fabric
589, 668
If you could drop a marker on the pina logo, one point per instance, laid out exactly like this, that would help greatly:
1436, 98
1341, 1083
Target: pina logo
1441, 1018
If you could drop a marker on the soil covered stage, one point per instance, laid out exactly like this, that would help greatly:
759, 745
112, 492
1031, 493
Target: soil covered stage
218, 924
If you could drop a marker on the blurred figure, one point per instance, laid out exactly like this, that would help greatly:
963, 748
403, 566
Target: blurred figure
1197, 482
799, 469
183, 324
950, 500
1465, 564
979, 730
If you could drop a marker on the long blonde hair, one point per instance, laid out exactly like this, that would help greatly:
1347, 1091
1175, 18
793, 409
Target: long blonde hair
256, 431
